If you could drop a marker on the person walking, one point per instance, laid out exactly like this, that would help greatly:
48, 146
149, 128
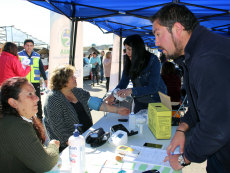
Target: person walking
102, 69
107, 65
96, 62
206, 75
36, 68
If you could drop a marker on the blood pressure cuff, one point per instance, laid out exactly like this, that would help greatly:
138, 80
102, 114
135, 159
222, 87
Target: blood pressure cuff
95, 103
97, 138
122, 127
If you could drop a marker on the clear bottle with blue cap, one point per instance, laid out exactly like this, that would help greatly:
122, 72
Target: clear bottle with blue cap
77, 151
132, 118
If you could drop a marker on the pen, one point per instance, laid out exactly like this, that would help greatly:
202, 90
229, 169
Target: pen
102, 166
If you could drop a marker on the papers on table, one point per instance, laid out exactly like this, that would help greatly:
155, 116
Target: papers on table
105, 162
109, 165
148, 156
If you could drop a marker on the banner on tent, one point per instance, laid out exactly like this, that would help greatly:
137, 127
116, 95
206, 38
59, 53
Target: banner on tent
114, 79
60, 45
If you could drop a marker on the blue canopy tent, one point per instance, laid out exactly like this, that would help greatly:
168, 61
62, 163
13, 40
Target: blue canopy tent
127, 17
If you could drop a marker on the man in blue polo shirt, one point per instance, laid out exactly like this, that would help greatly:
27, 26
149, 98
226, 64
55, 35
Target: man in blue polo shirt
36, 68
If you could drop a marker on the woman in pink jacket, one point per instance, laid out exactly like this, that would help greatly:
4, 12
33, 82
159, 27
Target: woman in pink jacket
10, 66
107, 67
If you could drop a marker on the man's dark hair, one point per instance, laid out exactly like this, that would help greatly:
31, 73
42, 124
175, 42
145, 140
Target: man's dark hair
28, 40
110, 49
171, 13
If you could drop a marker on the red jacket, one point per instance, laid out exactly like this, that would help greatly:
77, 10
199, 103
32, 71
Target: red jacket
10, 66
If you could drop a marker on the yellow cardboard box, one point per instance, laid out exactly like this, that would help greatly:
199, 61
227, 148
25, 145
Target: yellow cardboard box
160, 117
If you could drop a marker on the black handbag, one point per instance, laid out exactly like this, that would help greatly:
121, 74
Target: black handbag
97, 68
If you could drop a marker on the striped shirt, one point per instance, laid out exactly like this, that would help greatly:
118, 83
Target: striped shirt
61, 115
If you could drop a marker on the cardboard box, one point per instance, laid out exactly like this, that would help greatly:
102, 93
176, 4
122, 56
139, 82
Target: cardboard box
160, 117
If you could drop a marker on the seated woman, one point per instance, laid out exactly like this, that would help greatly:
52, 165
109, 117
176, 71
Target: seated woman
22, 134
67, 105
172, 81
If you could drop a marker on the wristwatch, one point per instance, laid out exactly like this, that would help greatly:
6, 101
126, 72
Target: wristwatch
181, 160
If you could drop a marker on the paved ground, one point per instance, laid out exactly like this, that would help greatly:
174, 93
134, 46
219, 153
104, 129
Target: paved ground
100, 91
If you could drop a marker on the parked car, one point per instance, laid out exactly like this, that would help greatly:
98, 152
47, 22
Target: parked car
87, 67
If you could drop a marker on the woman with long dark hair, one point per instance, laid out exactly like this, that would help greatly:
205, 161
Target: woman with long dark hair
10, 65
143, 69
22, 134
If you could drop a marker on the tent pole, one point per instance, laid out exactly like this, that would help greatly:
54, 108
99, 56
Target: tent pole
74, 42
71, 44
120, 53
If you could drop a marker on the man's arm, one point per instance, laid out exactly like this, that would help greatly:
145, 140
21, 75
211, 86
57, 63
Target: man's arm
178, 139
211, 84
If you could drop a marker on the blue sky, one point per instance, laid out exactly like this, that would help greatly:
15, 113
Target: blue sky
35, 21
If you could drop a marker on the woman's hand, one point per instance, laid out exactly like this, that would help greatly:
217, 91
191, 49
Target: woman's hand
123, 111
124, 92
55, 142
110, 99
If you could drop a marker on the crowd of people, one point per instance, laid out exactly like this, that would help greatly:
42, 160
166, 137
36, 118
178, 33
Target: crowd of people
202, 56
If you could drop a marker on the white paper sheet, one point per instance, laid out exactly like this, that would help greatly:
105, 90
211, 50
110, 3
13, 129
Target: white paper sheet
148, 156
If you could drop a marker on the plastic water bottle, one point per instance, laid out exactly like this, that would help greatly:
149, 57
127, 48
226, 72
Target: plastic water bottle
132, 117
77, 151
132, 120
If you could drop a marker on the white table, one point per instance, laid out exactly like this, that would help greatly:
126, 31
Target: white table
107, 122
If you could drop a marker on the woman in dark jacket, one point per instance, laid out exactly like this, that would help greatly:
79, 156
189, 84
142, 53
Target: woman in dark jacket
143, 68
172, 81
